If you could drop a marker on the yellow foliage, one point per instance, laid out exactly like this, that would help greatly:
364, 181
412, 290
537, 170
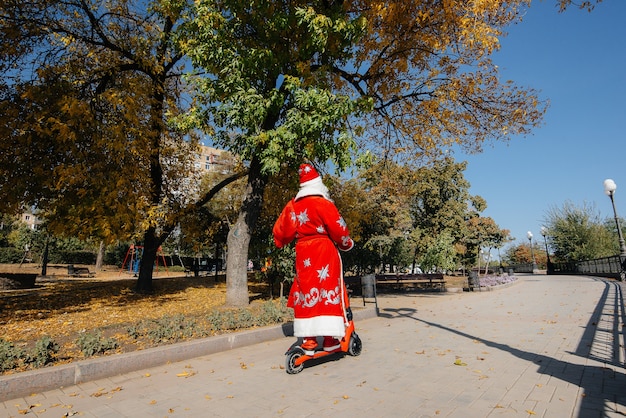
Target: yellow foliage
428, 63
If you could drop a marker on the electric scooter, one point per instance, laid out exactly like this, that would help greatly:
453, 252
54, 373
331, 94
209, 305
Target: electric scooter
350, 343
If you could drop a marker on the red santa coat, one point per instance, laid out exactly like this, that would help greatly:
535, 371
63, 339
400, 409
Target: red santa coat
318, 296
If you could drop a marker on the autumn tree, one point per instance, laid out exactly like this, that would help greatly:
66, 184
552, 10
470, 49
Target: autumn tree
86, 92
484, 233
289, 80
526, 253
360, 209
204, 230
388, 188
441, 203
401, 215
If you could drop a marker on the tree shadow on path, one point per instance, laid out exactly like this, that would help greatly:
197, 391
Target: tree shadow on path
604, 387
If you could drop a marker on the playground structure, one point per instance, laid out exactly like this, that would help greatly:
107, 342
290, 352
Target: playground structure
133, 259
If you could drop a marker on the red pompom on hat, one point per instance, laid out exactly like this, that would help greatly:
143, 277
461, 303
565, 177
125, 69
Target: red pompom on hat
307, 173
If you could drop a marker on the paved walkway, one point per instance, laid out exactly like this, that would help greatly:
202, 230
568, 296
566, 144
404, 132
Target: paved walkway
548, 346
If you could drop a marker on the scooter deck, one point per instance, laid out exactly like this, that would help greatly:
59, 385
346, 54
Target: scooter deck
316, 354
344, 346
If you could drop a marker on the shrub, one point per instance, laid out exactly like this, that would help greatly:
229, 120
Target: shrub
92, 343
269, 313
245, 319
72, 257
43, 353
10, 255
167, 329
272, 312
9, 355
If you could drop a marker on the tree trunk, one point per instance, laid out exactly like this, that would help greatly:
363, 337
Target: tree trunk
238, 241
100, 256
151, 241
44, 259
236, 264
150, 247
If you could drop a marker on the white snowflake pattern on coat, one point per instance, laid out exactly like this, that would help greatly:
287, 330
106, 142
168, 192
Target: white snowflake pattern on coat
303, 217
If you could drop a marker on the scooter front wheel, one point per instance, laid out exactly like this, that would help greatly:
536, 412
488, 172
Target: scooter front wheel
290, 361
354, 349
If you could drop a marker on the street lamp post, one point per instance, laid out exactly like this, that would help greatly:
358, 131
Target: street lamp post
609, 189
532, 253
544, 232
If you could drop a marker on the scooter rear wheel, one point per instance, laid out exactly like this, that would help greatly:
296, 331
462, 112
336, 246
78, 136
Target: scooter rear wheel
290, 361
354, 349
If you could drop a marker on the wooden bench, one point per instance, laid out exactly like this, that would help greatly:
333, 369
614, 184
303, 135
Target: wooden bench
353, 285
433, 281
196, 269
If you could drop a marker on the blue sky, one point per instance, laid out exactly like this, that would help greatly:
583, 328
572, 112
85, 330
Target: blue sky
577, 61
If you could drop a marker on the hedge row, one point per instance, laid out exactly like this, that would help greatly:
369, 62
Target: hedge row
10, 255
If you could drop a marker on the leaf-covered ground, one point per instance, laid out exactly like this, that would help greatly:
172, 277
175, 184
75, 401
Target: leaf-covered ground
63, 308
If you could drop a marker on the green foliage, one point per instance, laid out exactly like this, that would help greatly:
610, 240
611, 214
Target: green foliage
11, 255
92, 343
7, 224
72, 257
61, 250
273, 313
282, 268
441, 255
441, 200
24, 237
12, 357
577, 233
43, 353
264, 89
9, 355
167, 329
115, 255
400, 216
270, 312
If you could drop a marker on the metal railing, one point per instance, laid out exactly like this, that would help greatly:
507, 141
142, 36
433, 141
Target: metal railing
614, 267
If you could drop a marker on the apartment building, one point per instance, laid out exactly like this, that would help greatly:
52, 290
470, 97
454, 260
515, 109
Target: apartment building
30, 219
210, 159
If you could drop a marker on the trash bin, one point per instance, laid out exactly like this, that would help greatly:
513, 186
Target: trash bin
368, 286
70, 270
511, 272
473, 280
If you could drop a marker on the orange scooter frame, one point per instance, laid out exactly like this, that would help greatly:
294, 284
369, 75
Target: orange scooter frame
350, 343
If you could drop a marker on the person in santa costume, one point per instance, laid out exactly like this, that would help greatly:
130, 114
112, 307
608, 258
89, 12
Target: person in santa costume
318, 295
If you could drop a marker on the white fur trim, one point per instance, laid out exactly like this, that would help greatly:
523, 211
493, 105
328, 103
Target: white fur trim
326, 325
311, 182
313, 187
